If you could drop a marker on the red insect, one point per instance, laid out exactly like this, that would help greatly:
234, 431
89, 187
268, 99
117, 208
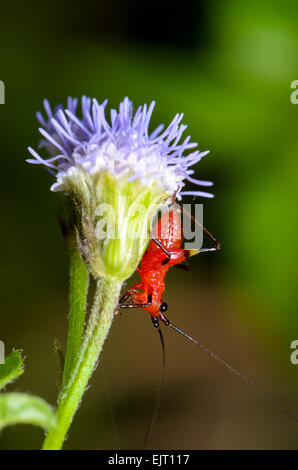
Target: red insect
164, 250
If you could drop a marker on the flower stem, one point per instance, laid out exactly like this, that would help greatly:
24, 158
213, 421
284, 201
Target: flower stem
105, 300
79, 281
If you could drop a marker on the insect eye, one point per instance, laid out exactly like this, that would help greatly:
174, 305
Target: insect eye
163, 307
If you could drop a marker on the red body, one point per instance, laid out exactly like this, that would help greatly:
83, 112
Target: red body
154, 264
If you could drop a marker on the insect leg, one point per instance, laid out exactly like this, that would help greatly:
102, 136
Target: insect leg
124, 298
170, 254
217, 245
166, 252
135, 305
131, 291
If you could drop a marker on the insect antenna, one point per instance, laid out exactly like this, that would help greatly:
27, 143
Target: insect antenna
158, 393
236, 372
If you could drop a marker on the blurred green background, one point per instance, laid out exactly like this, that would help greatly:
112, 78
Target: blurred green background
228, 66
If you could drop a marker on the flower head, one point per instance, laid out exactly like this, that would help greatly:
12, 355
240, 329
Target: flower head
119, 165
123, 147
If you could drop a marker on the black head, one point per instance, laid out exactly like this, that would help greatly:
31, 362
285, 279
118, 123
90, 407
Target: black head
163, 307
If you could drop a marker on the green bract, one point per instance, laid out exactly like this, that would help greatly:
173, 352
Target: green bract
113, 217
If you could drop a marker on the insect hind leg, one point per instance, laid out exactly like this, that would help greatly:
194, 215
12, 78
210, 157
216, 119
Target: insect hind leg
166, 252
217, 245
134, 304
131, 291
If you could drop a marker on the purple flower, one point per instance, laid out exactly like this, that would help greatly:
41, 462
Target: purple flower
122, 147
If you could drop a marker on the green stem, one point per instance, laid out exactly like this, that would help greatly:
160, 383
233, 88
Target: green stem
106, 297
79, 281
